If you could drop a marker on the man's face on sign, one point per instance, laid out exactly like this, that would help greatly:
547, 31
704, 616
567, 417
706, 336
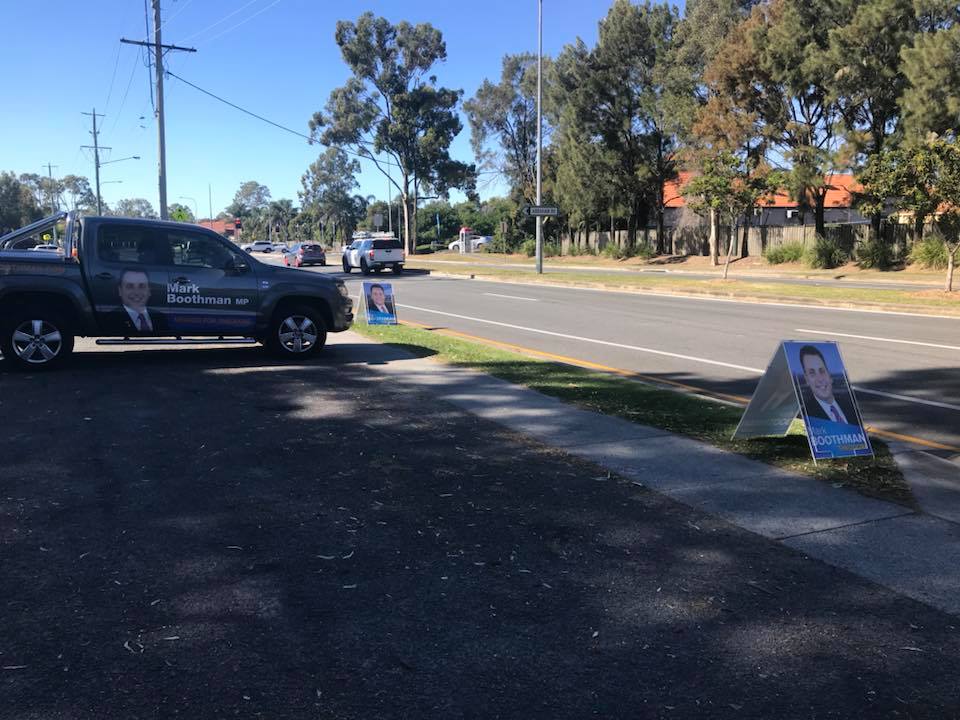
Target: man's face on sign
135, 290
818, 377
378, 296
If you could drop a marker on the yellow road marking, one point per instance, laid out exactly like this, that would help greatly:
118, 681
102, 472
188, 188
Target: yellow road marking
739, 399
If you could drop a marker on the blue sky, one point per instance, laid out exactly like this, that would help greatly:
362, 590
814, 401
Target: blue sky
276, 57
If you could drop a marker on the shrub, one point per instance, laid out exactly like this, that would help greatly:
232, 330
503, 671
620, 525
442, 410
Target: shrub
424, 249
529, 247
874, 254
930, 253
617, 253
788, 252
825, 254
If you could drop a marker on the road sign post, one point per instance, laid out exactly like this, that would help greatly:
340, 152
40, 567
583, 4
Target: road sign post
540, 211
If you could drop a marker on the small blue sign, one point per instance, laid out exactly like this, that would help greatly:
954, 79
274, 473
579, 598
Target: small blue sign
380, 303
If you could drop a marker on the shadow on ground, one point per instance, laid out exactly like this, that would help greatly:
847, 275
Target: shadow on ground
207, 534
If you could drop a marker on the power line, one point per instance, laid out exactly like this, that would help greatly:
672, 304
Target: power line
176, 14
243, 110
242, 22
113, 77
126, 92
284, 127
223, 19
146, 26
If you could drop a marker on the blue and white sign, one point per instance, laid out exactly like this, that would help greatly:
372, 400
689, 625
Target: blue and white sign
380, 303
808, 377
827, 403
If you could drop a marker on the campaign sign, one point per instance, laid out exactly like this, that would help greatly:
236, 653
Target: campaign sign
809, 378
380, 303
827, 403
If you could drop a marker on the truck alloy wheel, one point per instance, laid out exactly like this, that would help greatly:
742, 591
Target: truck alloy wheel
36, 342
299, 332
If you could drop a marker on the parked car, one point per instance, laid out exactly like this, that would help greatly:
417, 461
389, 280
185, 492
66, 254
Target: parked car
305, 254
264, 246
477, 243
373, 255
135, 281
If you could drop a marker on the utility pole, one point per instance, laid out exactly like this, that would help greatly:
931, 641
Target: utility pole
158, 49
210, 202
539, 130
96, 156
51, 195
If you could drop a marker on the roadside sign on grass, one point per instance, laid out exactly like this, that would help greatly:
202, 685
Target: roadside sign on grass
380, 303
809, 378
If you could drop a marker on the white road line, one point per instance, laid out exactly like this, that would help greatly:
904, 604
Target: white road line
651, 351
512, 297
589, 340
701, 298
906, 398
878, 339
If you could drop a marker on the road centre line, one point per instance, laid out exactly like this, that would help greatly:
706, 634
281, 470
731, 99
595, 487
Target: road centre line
704, 298
907, 398
512, 297
589, 340
651, 351
878, 339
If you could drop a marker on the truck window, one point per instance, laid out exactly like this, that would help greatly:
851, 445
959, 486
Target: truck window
195, 250
128, 245
387, 245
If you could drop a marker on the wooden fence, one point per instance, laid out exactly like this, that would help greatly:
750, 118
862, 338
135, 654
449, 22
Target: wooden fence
753, 241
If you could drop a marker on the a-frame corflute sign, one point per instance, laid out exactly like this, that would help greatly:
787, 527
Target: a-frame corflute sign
809, 378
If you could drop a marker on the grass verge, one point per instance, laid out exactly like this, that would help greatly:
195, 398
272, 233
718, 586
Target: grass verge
871, 298
677, 412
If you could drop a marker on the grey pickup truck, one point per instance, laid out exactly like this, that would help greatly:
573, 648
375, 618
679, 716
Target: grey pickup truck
126, 280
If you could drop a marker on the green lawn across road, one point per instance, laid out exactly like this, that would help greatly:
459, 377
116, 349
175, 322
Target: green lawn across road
920, 301
682, 413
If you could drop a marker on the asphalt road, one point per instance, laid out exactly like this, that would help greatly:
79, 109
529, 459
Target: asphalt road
905, 367
201, 533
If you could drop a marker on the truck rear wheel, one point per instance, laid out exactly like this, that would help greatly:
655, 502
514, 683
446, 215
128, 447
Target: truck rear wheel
36, 339
297, 333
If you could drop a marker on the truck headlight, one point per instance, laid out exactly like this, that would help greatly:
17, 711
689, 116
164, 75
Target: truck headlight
342, 288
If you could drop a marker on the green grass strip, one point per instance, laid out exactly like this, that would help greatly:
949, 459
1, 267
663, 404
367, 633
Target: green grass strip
676, 412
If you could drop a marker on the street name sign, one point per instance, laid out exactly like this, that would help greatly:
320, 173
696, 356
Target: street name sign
540, 211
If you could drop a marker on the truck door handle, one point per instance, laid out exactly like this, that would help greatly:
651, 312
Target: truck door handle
181, 280
105, 276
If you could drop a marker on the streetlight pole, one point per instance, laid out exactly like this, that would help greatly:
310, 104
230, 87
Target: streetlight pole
98, 165
539, 131
196, 212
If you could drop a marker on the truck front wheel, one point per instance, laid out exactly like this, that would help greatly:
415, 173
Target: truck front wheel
36, 339
297, 333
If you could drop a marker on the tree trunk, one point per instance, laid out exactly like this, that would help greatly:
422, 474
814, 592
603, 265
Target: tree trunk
733, 240
951, 262
714, 251
818, 215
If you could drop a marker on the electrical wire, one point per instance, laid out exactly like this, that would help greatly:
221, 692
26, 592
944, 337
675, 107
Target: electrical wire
174, 15
113, 77
223, 19
123, 101
242, 22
